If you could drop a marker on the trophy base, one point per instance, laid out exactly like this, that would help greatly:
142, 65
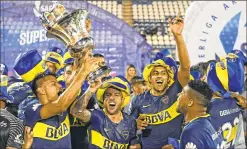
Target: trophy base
81, 47
101, 72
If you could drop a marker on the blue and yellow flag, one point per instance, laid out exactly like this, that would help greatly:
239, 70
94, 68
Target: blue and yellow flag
226, 76
29, 65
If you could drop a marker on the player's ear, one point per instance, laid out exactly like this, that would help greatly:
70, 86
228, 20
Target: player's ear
190, 103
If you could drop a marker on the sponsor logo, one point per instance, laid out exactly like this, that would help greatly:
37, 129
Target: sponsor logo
229, 111
145, 106
42, 6
107, 129
18, 139
35, 106
190, 145
57, 133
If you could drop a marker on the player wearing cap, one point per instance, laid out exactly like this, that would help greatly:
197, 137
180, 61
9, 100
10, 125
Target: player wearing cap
48, 118
109, 128
156, 109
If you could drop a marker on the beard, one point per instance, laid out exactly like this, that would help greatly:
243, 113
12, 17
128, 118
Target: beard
159, 88
113, 111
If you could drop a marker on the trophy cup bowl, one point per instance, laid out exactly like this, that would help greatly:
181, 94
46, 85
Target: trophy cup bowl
69, 28
72, 29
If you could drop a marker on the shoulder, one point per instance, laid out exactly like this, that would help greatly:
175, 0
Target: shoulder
176, 87
128, 118
139, 99
97, 114
194, 127
32, 113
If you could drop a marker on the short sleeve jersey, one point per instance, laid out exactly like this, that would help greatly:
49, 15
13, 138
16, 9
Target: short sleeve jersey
163, 120
53, 132
200, 134
103, 133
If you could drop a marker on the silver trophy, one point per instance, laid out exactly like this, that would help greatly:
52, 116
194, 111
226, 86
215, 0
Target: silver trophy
69, 28
73, 30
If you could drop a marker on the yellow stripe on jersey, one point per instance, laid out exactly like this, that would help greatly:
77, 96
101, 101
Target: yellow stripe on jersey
162, 117
47, 132
102, 142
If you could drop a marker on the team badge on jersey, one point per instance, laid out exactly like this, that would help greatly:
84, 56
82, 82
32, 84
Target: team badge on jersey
125, 134
165, 99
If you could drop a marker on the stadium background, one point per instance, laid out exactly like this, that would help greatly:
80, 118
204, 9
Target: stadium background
120, 43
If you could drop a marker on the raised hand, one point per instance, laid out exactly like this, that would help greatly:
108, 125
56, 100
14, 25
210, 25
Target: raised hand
176, 25
95, 85
89, 64
28, 138
242, 101
141, 123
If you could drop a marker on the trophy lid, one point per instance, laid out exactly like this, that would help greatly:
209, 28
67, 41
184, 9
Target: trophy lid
66, 27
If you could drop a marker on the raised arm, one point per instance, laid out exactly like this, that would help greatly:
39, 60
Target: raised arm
176, 27
70, 94
78, 109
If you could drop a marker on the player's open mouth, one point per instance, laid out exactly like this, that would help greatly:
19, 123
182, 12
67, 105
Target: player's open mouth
159, 82
112, 104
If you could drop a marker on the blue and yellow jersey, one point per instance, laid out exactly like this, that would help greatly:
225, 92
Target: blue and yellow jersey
161, 115
53, 132
103, 133
225, 118
79, 129
200, 134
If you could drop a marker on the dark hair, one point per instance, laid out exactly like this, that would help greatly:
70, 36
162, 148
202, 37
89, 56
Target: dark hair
197, 68
178, 63
202, 88
13, 109
131, 65
4, 132
38, 77
98, 55
204, 65
136, 79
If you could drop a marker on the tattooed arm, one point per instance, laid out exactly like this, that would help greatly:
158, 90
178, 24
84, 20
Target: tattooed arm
78, 109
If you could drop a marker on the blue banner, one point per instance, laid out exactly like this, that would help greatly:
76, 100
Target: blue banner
116, 40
